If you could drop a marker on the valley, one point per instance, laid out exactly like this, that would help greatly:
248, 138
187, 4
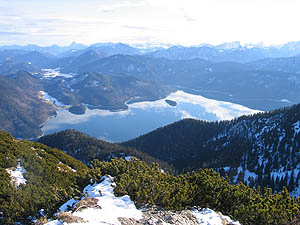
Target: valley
142, 112
113, 77
168, 112
116, 126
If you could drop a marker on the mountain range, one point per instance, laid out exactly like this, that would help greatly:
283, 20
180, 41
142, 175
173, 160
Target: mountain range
108, 75
250, 154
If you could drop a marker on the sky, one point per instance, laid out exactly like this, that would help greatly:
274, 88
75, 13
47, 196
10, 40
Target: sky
188, 22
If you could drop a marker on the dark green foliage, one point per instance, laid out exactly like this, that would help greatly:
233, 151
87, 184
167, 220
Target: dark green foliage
244, 143
50, 180
205, 188
86, 148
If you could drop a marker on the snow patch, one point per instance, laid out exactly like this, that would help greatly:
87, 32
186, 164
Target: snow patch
209, 217
51, 99
62, 169
111, 207
52, 73
128, 158
296, 128
16, 175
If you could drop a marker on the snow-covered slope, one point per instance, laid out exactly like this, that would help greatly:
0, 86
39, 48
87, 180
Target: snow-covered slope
270, 145
121, 210
260, 149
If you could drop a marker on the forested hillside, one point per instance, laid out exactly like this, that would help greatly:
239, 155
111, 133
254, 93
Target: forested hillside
86, 148
205, 188
35, 177
21, 109
261, 149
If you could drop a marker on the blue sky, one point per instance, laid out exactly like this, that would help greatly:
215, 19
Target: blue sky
188, 22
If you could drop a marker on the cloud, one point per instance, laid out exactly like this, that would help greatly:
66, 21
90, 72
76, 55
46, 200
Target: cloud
134, 27
191, 22
189, 19
11, 33
117, 5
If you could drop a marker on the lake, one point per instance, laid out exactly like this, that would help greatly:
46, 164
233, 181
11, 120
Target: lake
143, 117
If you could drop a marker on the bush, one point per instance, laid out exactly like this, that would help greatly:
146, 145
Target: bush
205, 188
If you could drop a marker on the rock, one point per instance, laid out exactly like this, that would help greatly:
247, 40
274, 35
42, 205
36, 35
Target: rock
155, 216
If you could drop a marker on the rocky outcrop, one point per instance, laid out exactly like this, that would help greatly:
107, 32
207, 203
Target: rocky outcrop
155, 216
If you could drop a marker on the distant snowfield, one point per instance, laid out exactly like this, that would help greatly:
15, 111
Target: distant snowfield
51, 99
52, 73
114, 207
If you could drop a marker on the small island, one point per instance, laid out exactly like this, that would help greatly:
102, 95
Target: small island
77, 109
171, 102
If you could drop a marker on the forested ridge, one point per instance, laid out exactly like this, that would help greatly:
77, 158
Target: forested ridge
86, 148
260, 149
53, 177
203, 188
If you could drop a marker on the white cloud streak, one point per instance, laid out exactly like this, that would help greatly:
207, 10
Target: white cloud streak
187, 22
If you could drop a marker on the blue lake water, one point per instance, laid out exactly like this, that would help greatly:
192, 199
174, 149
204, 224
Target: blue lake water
144, 117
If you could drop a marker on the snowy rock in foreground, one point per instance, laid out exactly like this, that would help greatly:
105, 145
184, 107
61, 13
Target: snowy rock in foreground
210, 217
111, 207
16, 175
155, 216
122, 211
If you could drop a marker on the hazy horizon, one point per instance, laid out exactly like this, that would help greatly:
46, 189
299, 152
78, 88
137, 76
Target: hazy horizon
214, 22
158, 44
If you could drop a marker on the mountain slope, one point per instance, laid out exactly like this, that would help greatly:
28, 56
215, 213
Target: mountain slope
21, 110
9, 67
259, 150
288, 65
219, 53
227, 81
104, 91
35, 177
86, 148
75, 63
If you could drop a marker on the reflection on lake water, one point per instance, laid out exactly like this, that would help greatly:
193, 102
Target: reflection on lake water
143, 117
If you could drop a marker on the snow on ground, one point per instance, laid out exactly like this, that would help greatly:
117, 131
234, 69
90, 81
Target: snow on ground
128, 158
49, 98
114, 207
70, 168
16, 175
296, 128
111, 207
51, 73
296, 192
210, 217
